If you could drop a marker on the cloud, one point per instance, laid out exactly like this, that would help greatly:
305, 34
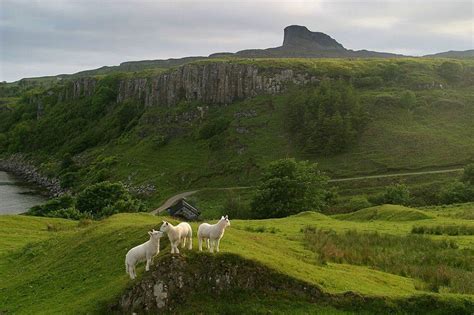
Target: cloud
48, 37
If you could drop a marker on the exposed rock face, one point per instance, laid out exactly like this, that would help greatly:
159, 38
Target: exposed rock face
176, 277
211, 83
300, 37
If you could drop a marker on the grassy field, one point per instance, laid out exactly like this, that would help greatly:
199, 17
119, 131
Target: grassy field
68, 267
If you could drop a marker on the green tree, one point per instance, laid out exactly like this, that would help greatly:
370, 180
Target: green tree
289, 187
397, 194
106, 198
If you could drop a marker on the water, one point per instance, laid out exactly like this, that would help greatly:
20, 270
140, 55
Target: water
16, 196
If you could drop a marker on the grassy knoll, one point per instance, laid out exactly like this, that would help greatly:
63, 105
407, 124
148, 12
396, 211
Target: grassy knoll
385, 213
80, 269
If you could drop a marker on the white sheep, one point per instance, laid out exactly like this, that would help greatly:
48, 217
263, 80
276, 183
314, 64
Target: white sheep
212, 233
145, 251
178, 234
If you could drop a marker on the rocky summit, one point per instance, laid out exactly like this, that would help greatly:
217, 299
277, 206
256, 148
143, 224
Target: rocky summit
299, 42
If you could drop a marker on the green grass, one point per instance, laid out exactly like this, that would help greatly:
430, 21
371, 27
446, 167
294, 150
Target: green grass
386, 213
80, 269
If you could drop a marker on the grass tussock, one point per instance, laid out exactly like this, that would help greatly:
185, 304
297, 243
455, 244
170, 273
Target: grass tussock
438, 265
451, 230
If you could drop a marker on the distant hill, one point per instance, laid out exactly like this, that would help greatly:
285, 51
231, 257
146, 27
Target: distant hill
454, 54
299, 42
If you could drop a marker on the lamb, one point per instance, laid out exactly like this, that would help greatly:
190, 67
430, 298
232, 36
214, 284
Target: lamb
145, 251
178, 234
212, 233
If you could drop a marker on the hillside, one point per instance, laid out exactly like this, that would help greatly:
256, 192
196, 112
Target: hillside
299, 42
82, 265
217, 123
453, 54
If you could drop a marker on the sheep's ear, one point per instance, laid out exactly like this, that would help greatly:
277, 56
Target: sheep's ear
150, 233
226, 216
222, 218
153, 230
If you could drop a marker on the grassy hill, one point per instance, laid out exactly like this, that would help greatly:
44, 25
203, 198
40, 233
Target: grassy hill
71, 267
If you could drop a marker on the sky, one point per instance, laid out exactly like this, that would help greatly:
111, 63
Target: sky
49, 37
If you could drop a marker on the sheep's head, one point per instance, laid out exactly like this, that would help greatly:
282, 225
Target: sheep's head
165, 226
226, 220
155, 234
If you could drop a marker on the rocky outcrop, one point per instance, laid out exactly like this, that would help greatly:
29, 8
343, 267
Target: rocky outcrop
21, 167
210, 83
175, 278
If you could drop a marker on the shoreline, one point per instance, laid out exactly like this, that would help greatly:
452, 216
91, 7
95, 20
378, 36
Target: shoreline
19, 166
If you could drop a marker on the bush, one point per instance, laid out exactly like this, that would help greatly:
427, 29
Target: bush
456, 192
105, 198
63, 202
290, 187
451, 71
397, 194
66, 213
236, 208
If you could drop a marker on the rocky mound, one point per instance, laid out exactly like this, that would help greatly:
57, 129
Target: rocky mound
300, 42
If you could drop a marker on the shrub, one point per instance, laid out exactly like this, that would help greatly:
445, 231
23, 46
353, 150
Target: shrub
451, 230
105, 198
451, 71
289, 187
63, 202
236, 208
397, 194
66, 213
456, 192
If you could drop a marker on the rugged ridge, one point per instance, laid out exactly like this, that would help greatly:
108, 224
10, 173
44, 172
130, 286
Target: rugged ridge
210, 83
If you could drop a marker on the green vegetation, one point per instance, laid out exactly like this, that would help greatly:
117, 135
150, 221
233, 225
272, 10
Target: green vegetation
326, 120
78, 268
289, 187
444, 230
386, 213
96, 201
406, 122
441, 266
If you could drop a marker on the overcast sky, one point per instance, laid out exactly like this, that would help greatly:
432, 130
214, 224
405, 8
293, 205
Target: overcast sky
48, 37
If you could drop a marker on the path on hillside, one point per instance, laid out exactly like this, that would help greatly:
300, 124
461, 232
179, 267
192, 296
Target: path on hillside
185, 194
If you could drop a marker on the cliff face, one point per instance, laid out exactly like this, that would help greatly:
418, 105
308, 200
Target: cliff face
210, 83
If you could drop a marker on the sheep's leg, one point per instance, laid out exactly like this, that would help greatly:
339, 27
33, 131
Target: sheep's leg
211, 247
183, 244
218, 241
132, 272
200, 243
207, 243
176, 244
190, 240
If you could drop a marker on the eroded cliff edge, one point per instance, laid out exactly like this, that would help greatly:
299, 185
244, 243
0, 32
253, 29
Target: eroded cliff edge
210, 83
